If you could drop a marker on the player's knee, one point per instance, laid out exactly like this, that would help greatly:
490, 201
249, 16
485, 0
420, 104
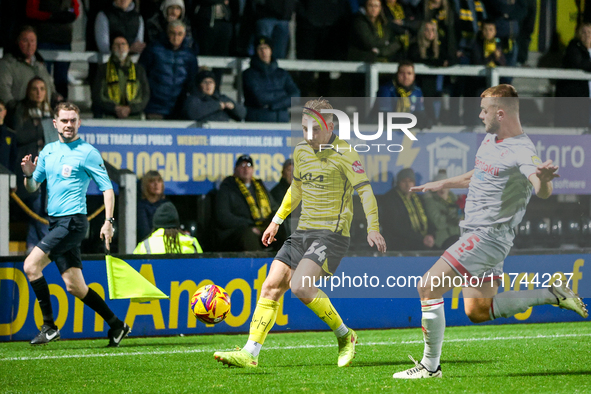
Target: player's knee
75, 290
31, 271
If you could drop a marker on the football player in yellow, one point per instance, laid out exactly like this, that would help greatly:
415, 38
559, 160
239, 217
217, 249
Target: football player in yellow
326, 172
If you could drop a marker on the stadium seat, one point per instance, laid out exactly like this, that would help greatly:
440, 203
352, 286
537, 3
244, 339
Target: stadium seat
585, 239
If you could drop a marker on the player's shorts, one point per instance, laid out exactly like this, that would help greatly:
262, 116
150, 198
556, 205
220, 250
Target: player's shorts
62, 243
323, 247
481, 252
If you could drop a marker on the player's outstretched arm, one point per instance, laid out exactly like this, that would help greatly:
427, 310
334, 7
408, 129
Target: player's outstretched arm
28, 166
541, 180
457, 182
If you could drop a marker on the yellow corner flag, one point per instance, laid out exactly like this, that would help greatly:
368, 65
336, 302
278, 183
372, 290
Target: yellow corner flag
125, 282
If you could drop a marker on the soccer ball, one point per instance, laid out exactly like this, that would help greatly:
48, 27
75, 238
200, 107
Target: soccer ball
210, 304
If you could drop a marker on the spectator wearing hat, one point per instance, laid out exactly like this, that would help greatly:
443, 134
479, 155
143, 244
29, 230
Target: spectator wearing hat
268, 89
167, 236
442, 210
171, 67
170, 10
403, 217
243, 209
121, 88
206, 103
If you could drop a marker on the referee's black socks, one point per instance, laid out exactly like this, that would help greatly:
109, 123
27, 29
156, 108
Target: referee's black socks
96, 303
42, 293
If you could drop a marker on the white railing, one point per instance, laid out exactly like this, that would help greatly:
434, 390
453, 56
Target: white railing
371, 70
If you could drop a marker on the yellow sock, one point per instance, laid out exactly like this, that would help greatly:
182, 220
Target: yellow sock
263, 319
322, 307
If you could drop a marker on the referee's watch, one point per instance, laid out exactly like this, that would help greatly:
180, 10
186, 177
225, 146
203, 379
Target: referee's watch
110, 220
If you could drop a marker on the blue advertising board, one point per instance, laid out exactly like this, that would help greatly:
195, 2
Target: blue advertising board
194, 160
380, 294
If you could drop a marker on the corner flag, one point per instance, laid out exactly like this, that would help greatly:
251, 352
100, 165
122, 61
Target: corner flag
125, 282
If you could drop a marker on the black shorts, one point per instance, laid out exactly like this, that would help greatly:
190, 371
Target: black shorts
323, 247
62, 243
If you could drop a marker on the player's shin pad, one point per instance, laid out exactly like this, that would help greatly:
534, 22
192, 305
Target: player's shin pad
323, 308
263, 319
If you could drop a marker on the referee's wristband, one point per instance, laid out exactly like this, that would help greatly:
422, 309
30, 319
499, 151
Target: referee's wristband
277, 219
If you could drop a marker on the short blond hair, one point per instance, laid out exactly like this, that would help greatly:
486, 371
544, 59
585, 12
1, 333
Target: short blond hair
504, 96
317, 105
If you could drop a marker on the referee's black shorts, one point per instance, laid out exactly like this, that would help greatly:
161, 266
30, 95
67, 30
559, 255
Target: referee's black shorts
62, 243
323, 247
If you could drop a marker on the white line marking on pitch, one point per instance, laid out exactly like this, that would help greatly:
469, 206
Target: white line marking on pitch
93, 355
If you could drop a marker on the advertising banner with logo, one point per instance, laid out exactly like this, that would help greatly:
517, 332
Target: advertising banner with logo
378, 293
193, 161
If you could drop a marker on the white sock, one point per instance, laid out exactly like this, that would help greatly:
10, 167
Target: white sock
253, 348
509, 303
341, 331
433, 330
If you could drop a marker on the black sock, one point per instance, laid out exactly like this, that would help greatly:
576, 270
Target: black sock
97, 304
42, 293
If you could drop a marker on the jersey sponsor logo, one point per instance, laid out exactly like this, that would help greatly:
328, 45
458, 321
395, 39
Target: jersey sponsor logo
536, 160
503, 153
310, 177
357, 167
66, 171
488, 168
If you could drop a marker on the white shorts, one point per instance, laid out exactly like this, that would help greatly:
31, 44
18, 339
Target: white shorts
481, 252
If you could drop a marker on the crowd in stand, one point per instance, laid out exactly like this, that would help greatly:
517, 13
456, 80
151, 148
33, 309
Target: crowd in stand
166, 82
170, 35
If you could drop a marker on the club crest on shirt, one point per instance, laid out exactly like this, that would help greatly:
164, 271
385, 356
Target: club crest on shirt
357, 167
536, 160
66, 171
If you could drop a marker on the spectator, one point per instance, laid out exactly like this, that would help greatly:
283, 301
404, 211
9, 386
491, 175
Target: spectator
243, 209
527, 27
427, 50
487, 49
468, 17
403, 19
32, 122
121, 87
372, 38
206, 103
20, 66
171, 10
119, 19
401, 94
268, 89
152, 190
167, 237
403, 218
508, 16
273, 19
570, 112
171, 67
54, 22
8, 152
212, 23
442, 14
278, 192
442, 210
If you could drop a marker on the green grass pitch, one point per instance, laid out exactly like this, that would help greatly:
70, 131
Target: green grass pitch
536, 358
